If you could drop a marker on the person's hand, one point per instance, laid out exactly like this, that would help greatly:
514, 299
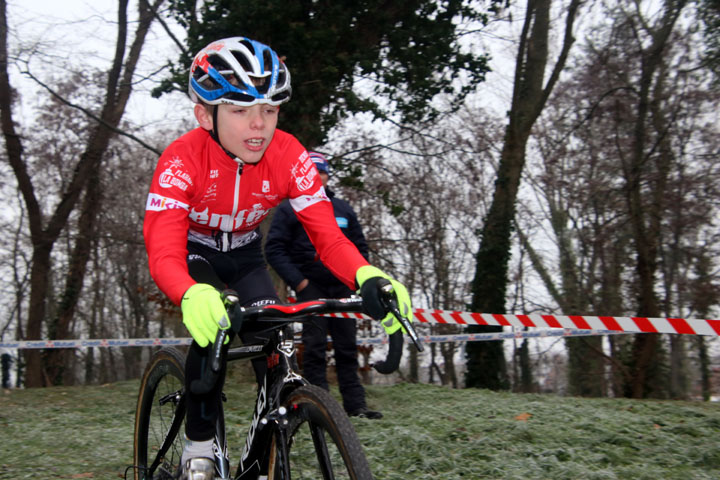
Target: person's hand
301, 286
203, 313
367, 279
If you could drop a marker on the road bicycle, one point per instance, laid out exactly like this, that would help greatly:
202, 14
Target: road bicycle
297, 431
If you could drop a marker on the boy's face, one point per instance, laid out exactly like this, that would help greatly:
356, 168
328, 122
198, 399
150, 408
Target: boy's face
244, 131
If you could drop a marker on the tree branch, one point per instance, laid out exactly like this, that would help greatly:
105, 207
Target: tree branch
165, 26
89, 113
13, 144
568, 40
539, 267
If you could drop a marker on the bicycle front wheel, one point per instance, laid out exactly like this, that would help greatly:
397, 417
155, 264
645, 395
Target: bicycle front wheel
159, 416
321, 443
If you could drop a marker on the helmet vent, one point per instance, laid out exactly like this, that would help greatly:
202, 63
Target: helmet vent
248, 45
261, 84
267, 61
243, 61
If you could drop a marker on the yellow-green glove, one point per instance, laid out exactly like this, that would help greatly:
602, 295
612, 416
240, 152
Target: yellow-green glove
203, 313
367, 279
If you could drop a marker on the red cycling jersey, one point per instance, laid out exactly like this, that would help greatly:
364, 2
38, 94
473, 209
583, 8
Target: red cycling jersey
198, 193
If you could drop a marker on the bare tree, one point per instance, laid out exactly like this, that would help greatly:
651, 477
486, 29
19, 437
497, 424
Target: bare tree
45, 229
422, 228
486, 362
587, 146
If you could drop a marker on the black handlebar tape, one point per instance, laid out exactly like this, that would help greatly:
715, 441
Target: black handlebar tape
209, 377
392, 361
409, 329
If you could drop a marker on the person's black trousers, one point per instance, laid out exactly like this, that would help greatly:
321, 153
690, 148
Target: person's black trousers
343, 332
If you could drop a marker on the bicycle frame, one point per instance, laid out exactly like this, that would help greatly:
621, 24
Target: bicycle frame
267, 414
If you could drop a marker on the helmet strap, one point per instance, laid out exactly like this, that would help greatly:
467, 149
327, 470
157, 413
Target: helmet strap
215, 136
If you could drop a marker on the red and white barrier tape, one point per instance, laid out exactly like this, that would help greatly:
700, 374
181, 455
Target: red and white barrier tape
571, 325
690, 326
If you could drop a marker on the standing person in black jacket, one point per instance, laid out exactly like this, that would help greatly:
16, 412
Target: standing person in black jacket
289, 251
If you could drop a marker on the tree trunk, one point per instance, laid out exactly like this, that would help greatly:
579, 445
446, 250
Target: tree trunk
586, 368
704, 294
526, 379
486, 366
705, 377
448, 353
39, 282
59, 327
645, 219
678, 370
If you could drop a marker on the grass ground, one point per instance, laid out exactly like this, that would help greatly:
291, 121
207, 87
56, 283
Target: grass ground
428, 433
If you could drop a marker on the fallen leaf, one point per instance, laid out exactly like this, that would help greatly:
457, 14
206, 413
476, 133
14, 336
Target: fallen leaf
83, 475
523, 417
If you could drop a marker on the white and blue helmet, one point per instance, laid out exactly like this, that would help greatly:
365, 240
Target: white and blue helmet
238, 71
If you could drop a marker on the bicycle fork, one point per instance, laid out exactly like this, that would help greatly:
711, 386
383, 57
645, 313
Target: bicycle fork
270, 417
255, 461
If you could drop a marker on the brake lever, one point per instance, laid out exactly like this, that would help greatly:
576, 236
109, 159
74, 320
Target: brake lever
392, 305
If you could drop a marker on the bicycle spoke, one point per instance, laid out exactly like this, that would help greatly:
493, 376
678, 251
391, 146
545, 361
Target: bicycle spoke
321, 450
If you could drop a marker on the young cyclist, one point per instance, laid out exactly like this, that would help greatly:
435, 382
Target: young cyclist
211, 189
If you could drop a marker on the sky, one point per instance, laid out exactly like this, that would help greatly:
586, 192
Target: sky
82, 32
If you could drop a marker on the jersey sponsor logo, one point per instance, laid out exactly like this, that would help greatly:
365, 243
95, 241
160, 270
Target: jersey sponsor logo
210, 194
266, 192
174, 178
307, 166
342, 222
214, 173
256, 215
174, 162
271, 197
304, 175
158, 203
321, 195
228, 223
303, 201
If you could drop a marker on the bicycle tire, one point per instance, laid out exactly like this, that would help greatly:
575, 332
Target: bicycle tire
311, 407
164, 378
